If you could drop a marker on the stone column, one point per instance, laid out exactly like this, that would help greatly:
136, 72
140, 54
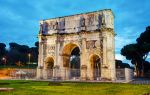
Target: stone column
104, 49
45, 76
84, 72
59, 58
104, 66
112, 61
108, 66
43, 61
83, 61
65, 71
57, 52
40, 61
39, 73
56, 72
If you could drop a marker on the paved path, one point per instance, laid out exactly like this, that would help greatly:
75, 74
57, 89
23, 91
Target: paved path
140, 81
6, 89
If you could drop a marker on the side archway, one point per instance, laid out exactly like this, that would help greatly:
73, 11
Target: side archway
95, 64
49, 65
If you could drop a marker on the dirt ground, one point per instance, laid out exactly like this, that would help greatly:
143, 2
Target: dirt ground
4, 73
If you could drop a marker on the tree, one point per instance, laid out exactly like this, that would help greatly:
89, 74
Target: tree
144, 41
139, 51
146, 66
13, 56
120, 64
18, 53
37, 44
34, 52
131, 52
3, 51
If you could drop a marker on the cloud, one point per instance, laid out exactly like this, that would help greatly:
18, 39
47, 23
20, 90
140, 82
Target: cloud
119, 57
19, 22
20, 19
121, 41
148, 57
127, 35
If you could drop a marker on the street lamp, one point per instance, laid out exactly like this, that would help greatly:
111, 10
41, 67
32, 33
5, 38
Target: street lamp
29, 56
4, 59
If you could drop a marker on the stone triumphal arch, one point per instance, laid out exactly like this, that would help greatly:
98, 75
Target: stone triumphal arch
77, 47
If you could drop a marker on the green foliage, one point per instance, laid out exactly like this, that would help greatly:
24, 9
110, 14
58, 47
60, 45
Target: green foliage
131, 51
144, 37
2, 49
37, 44
2, 52
139, 51
34, 53
120, 64
19, 54
144, 41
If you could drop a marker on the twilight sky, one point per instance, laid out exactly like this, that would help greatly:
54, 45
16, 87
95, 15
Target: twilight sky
19, 19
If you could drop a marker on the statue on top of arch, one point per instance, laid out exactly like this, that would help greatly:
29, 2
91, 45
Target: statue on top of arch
43, 28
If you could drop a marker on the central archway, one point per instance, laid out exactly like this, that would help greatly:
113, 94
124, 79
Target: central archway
71, 60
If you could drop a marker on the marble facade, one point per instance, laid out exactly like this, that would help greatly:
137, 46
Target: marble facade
89, 35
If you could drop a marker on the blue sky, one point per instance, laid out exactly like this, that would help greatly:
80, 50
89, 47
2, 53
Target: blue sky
19, 19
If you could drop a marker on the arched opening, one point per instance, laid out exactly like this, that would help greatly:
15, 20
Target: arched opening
75, 62
71, 59
95, 66
49, 65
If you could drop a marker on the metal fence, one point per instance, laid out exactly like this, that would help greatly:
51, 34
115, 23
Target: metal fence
73, 75
59, 74
22, 74
63, 74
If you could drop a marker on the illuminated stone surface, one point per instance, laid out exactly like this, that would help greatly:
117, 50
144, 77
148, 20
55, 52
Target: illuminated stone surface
91, 34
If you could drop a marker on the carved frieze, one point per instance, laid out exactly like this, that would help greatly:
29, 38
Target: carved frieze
51, 49
90, 44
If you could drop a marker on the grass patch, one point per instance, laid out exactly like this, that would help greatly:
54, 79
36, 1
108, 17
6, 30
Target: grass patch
54, 84
27, 87
4, 83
